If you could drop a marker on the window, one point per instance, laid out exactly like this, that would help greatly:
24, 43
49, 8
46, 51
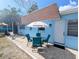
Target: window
22, 27
72, 28
41, 28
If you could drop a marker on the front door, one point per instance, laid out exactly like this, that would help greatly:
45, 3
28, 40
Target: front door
59, 33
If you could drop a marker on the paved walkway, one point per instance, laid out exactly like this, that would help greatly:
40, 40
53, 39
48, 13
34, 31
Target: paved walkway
22, 44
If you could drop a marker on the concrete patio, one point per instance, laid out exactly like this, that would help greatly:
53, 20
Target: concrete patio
48, 53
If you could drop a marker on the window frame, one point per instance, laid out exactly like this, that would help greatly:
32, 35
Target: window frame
71, 28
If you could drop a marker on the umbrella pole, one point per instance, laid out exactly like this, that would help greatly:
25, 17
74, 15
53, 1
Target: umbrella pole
38, 30
12, 27
7, 28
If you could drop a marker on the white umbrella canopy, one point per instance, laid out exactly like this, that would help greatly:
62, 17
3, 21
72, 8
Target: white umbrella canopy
37, 24
3, 24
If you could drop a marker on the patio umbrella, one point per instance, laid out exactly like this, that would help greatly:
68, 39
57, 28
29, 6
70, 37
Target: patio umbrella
4, 24
37, 24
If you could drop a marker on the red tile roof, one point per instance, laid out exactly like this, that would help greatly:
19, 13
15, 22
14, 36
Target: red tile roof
50, 12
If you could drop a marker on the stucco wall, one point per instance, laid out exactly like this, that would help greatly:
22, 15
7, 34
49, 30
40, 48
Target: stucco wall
48, 30
71, 42
72, 16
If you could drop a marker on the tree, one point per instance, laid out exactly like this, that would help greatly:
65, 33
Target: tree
23, 4
33, 7
28, 5
10, 15
4, 12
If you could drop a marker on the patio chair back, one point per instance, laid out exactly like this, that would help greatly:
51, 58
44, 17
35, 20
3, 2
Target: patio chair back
28, 37
37, 42
47, 39
38, 34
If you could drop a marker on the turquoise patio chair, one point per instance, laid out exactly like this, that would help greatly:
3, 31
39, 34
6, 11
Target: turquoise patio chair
38, 34
47, 39
28, 37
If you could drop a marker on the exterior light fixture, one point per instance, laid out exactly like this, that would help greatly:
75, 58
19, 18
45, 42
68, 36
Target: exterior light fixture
50, 25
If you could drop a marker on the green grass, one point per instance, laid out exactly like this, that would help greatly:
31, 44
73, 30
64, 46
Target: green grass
1, 54
9, 51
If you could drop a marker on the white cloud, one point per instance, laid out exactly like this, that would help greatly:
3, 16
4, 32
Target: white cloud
69, 6
72, 2
66, 7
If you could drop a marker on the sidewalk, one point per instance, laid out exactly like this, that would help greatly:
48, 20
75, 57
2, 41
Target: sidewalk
74, 52
22, 44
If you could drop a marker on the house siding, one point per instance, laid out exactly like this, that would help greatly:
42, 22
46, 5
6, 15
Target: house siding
70, 41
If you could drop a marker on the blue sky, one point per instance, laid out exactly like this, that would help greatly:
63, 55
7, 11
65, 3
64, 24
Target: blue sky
62, 4
41, 3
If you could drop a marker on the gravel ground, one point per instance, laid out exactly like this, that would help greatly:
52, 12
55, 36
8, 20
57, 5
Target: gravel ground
57, 53
9, 51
